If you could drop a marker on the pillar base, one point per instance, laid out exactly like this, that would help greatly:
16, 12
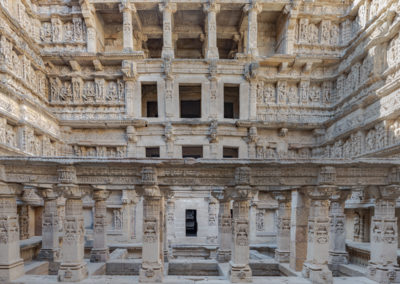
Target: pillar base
12, 271
317, 273
49, 254
336, 259
212, 53
53, 257
240, 273
384, 274
99, 255
282, 256
223, 255
167, 53
151, 274
73, 272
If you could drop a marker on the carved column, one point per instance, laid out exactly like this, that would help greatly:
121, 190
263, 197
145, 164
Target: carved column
167, 8
152, 269
72, 268
337, 239
11, 264
127, 8
224, 226
282, 252
50, 250
252, 11
100, 251
212, 8
240, 270
383, 266
88, 12
170, 224
316, 268
132, 90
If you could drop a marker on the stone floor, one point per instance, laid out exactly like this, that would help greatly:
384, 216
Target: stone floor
96, 268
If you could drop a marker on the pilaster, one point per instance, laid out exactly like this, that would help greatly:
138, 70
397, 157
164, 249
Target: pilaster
11, 264
100, 252
152, 269
282, 252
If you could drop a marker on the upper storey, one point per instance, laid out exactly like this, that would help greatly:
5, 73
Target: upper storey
196, 29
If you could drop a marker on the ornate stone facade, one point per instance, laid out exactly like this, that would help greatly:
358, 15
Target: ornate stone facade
211, 130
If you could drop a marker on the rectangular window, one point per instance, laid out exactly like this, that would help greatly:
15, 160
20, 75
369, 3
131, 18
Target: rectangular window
149, 100
191, 223
152, 152
192, 152
231, 101
230, 152
190, 101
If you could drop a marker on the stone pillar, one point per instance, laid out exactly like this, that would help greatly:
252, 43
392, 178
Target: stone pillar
100, 251
252, 11
11, 264
127, 8
316, 266
382, 266
298, 229
337, 239
282, 252
225, 231
167, 8
72, 268
152, 269
170, 224
240, 270
50, 250
132, 89
212, 8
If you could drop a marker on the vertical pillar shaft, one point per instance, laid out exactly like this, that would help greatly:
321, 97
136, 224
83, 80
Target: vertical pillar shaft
73, 268
225, 231
100, 251
298, 230
152, 260
50, 250
168, 48
127, 28
337, 238
252, 32
11, 264
315, 266
383, 266
91, 39
282, 252
212, 9
239, 265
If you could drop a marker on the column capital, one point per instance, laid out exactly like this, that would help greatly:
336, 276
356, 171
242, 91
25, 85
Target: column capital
339, 195
70, 191
211, 6
129, 70
48, 193
323, 192
255, 6
167, 6
6, 191
126, 6
100, 193
221, 195
242, 192
282, 196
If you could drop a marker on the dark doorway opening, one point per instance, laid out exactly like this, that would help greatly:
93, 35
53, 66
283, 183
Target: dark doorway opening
191, 223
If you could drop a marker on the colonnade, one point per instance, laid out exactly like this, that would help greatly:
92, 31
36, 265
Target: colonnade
308, 248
